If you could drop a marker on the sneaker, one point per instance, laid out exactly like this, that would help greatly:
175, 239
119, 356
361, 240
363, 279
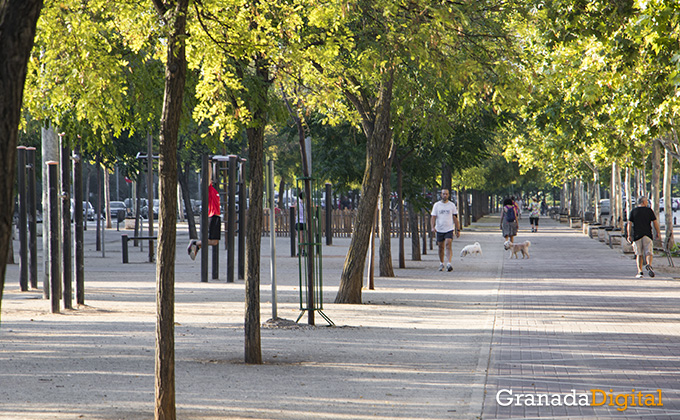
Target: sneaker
639, 275
192, 249
441, 267
649, 270
448, 267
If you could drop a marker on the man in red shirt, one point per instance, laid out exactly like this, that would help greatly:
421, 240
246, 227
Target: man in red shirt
214, 232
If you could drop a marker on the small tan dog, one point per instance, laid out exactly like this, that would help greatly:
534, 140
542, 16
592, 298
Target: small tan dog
517, 248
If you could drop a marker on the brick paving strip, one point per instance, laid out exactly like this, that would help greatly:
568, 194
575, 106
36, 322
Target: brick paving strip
573, 317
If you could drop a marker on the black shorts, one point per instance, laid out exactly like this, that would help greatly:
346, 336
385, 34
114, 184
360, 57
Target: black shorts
214, 228
444, 235
533, 221
299, 227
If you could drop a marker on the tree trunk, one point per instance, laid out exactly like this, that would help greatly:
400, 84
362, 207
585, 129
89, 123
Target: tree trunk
282, 189
175, 79
50, 151
573, 198
386, 269
17, 29
415, 237
627, 204
107, 197
596, 194
255, 133
618, 202
98, 209
462, 209
656, 171
378, 145
446, 178
400, 212
667, 187
182, 175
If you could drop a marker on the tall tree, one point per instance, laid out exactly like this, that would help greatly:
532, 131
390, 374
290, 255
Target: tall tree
18, 19
173, 14
242, 50
376, 45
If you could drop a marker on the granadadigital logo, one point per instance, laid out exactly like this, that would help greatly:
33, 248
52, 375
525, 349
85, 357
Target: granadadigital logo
595, 398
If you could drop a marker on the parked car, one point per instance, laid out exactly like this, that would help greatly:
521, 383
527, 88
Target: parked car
145, 210
675, 204
114, 207
605, 207
130, 205
88, 210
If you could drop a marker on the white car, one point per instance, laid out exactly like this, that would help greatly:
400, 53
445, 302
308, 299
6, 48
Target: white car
88, 210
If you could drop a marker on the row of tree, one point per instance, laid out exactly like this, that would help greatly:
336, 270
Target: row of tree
431, 89
599, 99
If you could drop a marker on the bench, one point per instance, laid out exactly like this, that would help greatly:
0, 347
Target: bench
614, 237
608, 233
593, 229
125, 238
602, 232
575, 222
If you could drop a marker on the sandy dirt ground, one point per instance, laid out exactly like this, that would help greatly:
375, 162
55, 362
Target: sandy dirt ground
418, 347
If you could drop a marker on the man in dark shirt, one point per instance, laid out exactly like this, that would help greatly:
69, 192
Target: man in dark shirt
639, 232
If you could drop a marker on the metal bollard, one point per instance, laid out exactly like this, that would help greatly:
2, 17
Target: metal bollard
124, 240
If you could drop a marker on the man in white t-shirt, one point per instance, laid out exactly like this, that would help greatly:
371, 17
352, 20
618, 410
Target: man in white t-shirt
444, 221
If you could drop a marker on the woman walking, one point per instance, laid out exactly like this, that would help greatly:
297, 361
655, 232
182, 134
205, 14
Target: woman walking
509, 220
535, 213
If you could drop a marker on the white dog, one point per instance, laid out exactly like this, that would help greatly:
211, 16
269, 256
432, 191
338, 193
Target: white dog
471, 249
517, 248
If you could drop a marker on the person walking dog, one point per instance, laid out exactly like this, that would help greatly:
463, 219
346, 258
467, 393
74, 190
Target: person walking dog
444, 221
509, 224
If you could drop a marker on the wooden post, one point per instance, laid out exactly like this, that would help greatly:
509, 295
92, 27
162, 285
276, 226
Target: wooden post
204, 218
79, 220
53, 215
66, 223
149, 190
231, 212
329, 215
32, 218
23, 231
242, 222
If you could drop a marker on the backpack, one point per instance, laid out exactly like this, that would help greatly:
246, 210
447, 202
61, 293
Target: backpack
510, 214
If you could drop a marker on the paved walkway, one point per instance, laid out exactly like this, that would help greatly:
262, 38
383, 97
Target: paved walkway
424, 345
577, 319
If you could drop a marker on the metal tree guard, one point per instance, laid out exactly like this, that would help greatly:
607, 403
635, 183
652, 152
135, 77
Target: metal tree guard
310, 301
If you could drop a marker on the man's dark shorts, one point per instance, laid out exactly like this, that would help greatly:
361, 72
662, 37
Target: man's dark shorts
444, 235
214, 231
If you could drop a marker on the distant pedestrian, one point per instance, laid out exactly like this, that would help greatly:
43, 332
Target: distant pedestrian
214, 226
509, 222
300, 222
639, 232
444, 221
534, 214
544, 208
518, 206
